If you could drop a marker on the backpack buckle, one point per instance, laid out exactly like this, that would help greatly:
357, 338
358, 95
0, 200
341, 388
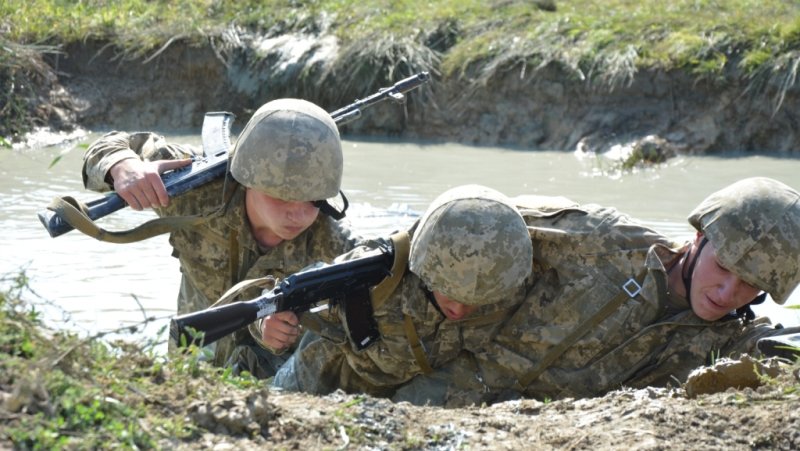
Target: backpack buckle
632, 287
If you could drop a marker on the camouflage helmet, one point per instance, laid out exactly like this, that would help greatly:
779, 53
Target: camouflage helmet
290, 149
754, 225
472, 245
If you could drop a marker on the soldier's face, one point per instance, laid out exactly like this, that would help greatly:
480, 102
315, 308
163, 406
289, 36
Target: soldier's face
715, 290
274, 220
451, 308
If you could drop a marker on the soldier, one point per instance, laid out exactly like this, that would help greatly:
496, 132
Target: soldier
469, 256
263, 218
613, 303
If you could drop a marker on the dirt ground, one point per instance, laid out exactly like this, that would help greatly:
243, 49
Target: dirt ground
766, 417
727, 406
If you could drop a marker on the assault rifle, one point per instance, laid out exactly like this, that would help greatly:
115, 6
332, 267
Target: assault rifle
346, 284
785, 346
212, 166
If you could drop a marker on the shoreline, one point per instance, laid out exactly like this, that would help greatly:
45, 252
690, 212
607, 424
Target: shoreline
655, 116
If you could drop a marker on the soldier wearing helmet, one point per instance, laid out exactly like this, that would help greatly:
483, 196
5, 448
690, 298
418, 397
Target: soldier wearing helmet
614, 303
753, 229
261, 219
469, 258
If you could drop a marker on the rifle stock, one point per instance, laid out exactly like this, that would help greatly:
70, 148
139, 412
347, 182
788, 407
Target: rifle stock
216, 143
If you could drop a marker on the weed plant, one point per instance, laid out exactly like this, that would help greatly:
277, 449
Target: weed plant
59, 390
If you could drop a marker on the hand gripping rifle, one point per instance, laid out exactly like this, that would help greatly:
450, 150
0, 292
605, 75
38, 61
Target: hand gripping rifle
346, 284
216, 144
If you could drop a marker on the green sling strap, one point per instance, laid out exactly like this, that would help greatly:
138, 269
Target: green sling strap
74, 213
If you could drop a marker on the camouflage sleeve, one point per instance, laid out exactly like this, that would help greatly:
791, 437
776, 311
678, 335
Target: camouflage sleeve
116, 146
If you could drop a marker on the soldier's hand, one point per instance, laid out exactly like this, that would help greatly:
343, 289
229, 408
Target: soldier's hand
279, 331
139, 182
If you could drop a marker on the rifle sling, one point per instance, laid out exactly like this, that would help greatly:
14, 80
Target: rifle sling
234, 291
582, 328
74, 213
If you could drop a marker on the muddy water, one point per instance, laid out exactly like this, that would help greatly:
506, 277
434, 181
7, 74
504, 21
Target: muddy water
93, 286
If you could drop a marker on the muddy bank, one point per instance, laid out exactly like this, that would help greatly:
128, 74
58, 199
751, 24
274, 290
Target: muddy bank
60, 391
547, 108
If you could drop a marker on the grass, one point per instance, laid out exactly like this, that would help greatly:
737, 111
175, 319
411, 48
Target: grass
601, 42
591, 38
58, 390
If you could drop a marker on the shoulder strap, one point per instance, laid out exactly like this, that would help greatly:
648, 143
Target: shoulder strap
382, 291
402, 247
416, 345
629, 290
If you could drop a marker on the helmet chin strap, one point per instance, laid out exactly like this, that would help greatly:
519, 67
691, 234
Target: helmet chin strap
327, 208
745, 312
686, 273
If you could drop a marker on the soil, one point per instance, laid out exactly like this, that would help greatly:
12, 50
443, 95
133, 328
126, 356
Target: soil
763, 417
551, 108
735, 404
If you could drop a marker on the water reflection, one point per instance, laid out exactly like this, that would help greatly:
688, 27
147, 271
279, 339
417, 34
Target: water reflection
389, 184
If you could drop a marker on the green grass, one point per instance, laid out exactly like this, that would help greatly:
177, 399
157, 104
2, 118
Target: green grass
599, 42
61, 391
592, 38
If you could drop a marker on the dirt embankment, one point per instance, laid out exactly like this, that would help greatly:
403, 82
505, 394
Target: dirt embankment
547, 108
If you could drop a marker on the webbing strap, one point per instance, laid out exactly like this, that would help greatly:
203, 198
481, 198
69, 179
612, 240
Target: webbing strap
402, 246
630, 289
233, 261
236, 290
74, 213
484, 320
416, 345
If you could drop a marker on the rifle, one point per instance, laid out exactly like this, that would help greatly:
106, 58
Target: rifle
786, 346
216, 142
347, 284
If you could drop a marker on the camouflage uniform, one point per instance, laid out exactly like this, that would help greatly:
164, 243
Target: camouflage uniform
222, 251
486, 244
584, 258
205, 252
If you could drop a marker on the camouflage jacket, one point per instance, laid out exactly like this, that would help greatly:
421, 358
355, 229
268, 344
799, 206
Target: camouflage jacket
583, 256
332, 362
220, 252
